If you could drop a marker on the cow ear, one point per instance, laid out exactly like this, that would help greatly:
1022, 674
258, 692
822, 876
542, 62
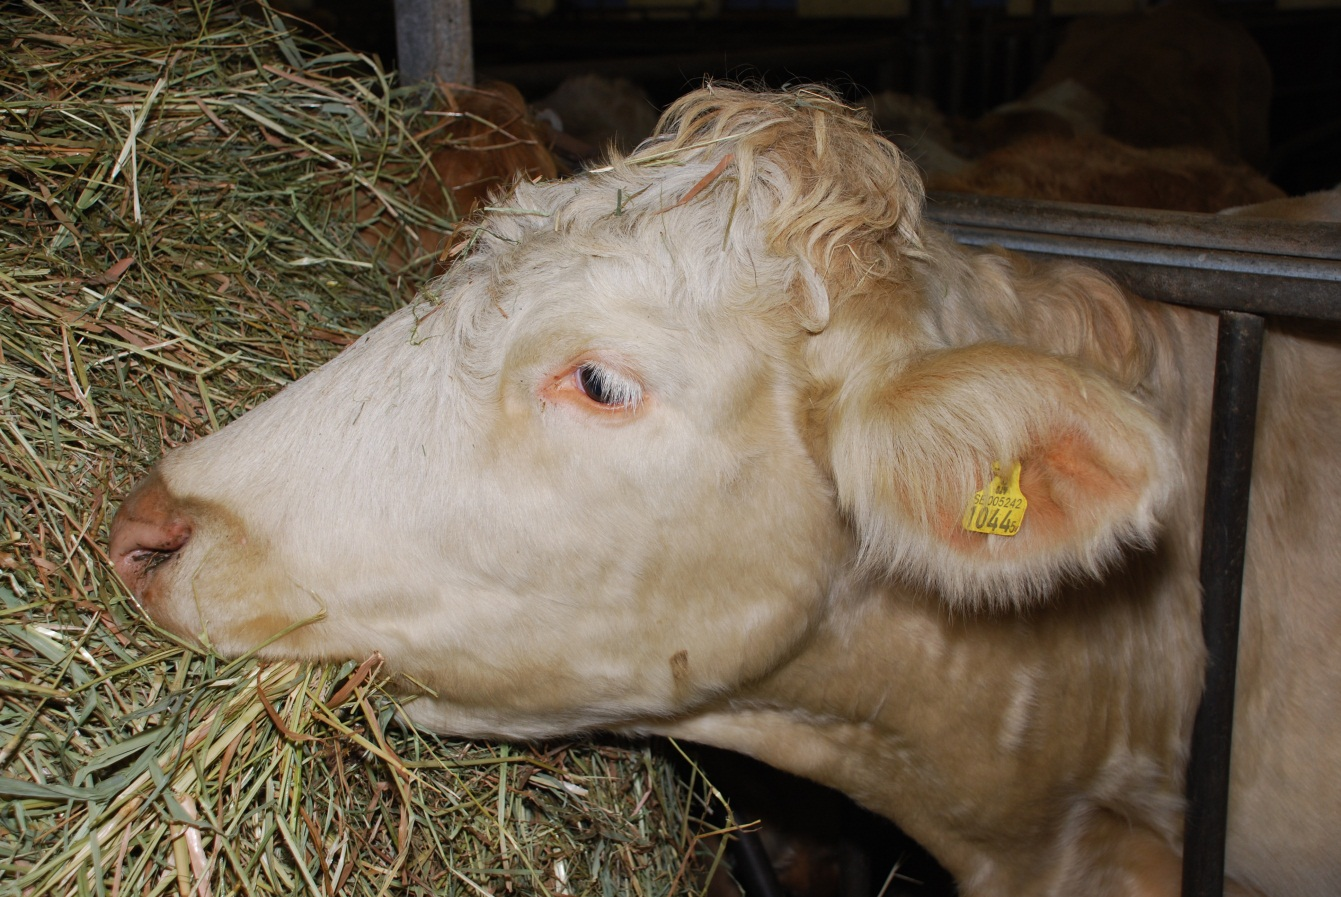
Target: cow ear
911, 448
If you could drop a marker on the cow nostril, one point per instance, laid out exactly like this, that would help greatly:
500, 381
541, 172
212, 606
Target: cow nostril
147, 560
148, 531
139, 549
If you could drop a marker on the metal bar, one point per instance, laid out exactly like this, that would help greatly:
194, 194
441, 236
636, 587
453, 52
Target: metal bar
1212, 279
1315, 240
1224, 533
1163, 253
433, 41
1212, 261
753, 867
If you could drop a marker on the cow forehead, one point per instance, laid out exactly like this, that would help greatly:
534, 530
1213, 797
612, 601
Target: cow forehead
662, 216
634, 287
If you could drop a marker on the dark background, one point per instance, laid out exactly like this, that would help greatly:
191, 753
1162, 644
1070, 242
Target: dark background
967, 55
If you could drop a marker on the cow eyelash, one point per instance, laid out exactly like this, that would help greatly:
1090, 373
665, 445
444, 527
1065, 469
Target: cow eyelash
605, 387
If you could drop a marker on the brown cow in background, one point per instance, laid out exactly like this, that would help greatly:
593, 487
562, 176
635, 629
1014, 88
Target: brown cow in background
1178, 74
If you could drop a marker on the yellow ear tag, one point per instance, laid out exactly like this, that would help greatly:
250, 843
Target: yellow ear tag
999, 509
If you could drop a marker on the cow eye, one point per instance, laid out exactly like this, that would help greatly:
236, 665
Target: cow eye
605, 387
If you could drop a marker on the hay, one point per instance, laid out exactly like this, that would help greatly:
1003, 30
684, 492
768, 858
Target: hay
195, 208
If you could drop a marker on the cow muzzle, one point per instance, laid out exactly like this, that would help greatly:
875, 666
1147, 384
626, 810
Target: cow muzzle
147, 532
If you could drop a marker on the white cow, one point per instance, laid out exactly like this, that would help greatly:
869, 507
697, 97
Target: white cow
686, 446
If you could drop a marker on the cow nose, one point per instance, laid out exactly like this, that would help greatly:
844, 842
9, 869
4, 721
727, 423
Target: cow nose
147, 531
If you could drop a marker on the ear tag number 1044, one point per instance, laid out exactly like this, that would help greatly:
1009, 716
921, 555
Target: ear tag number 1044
999, 509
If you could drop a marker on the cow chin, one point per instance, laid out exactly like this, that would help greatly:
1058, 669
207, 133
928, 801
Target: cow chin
464, 721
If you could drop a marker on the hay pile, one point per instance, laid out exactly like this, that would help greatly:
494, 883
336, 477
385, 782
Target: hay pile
196, 208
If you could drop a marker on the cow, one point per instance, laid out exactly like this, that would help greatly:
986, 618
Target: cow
725, 441
1094, 168
1174, 74
1318, 206
486, 139
592, 112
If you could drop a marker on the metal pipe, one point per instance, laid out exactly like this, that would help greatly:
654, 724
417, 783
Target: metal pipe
1211, 261
1164, 253
753, 867
1224, 533
1239, 234
433, 41
1277, 285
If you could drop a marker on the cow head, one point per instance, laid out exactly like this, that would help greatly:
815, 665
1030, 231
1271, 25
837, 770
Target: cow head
613, 464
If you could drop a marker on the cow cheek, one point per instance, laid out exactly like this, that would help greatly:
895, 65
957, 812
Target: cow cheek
737, 598
704, 616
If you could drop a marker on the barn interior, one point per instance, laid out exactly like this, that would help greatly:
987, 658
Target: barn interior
962, 59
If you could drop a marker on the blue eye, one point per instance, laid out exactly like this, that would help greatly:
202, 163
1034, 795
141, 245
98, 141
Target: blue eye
605, 387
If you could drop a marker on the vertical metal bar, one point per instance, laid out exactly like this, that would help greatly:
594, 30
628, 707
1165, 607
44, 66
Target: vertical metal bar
1224, 532
433, 41
753, 868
